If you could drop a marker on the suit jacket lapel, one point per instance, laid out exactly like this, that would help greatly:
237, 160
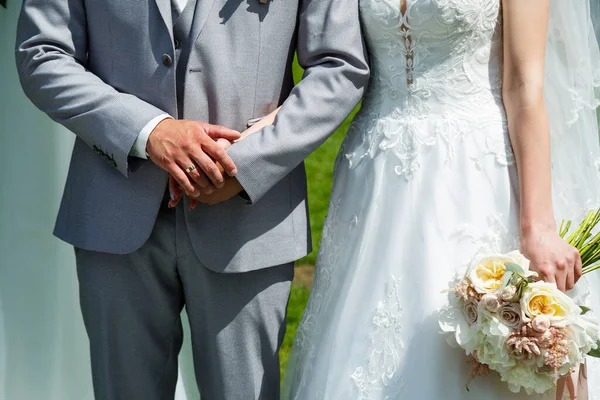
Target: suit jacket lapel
203, 8
164, 7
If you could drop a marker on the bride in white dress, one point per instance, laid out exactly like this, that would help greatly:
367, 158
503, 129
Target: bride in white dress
427, 178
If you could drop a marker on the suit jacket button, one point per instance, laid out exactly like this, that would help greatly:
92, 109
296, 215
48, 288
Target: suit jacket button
167, 60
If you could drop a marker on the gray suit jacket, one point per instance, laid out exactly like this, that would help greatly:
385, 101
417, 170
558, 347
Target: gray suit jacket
96, 66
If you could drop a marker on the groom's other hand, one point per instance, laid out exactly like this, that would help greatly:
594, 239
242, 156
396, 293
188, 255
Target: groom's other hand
177, 145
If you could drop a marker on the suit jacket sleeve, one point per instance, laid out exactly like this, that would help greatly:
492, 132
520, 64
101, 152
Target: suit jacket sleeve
51, 56
331, 50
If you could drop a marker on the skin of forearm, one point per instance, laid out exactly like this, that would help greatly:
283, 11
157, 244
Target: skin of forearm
530, 138
266, 121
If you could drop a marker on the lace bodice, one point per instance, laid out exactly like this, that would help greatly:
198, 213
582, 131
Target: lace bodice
440, 60
439, 56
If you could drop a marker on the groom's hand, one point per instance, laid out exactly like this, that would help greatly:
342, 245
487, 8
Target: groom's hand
177, 145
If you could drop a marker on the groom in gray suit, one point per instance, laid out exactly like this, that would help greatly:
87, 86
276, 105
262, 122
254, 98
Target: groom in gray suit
143, 85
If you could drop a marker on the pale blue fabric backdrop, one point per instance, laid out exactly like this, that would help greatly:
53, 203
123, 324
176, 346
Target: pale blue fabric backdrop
43, 345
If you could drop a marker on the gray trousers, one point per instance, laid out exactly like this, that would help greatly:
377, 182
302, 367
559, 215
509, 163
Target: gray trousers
131, 307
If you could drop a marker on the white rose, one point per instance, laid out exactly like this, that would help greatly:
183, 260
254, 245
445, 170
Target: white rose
585, 332
487, 274
543, 298
521, 261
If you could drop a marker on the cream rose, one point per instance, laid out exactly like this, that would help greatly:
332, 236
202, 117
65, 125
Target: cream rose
544, 299
487, 274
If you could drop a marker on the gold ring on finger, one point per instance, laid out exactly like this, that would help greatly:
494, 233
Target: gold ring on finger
190, 168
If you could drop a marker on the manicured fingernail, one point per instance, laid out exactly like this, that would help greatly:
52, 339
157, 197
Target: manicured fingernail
234, 172
172, 195
209, 190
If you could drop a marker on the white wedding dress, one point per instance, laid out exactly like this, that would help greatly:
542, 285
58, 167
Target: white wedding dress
425, 179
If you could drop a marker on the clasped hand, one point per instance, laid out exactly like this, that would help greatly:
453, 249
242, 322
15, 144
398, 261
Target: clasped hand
194, 154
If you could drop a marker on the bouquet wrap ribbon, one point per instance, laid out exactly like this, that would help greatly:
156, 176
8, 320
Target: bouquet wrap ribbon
575, 383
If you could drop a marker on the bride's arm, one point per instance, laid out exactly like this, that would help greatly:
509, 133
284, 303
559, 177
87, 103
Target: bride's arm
525, 35
263, 122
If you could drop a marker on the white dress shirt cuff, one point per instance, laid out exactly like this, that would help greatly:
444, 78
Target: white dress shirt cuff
139, 146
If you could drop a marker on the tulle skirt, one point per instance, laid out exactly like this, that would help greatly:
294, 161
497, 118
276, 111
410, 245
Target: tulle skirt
395, 237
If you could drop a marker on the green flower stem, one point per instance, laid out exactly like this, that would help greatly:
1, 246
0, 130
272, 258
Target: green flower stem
564, 228
583, 231
584, 240
587, 233
590, 253
591, 269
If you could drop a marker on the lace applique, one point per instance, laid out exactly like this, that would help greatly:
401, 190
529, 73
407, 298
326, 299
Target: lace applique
474, 16
579, 104
498, 148
408, 142
497, 238
384, 356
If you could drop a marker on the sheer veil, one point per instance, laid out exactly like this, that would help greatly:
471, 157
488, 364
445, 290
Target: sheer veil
572, 94
571, 91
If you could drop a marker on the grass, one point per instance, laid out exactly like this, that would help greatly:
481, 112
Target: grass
297, 303
319, 169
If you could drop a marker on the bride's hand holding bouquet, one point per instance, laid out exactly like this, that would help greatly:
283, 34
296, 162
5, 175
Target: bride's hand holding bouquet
510, 313
552, 257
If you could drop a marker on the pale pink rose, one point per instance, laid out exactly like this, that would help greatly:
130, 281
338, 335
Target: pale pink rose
510, 315
508, 293
470, 311
541, 323
491, 302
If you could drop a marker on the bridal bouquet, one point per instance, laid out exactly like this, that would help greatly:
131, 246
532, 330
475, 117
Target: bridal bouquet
529, 332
